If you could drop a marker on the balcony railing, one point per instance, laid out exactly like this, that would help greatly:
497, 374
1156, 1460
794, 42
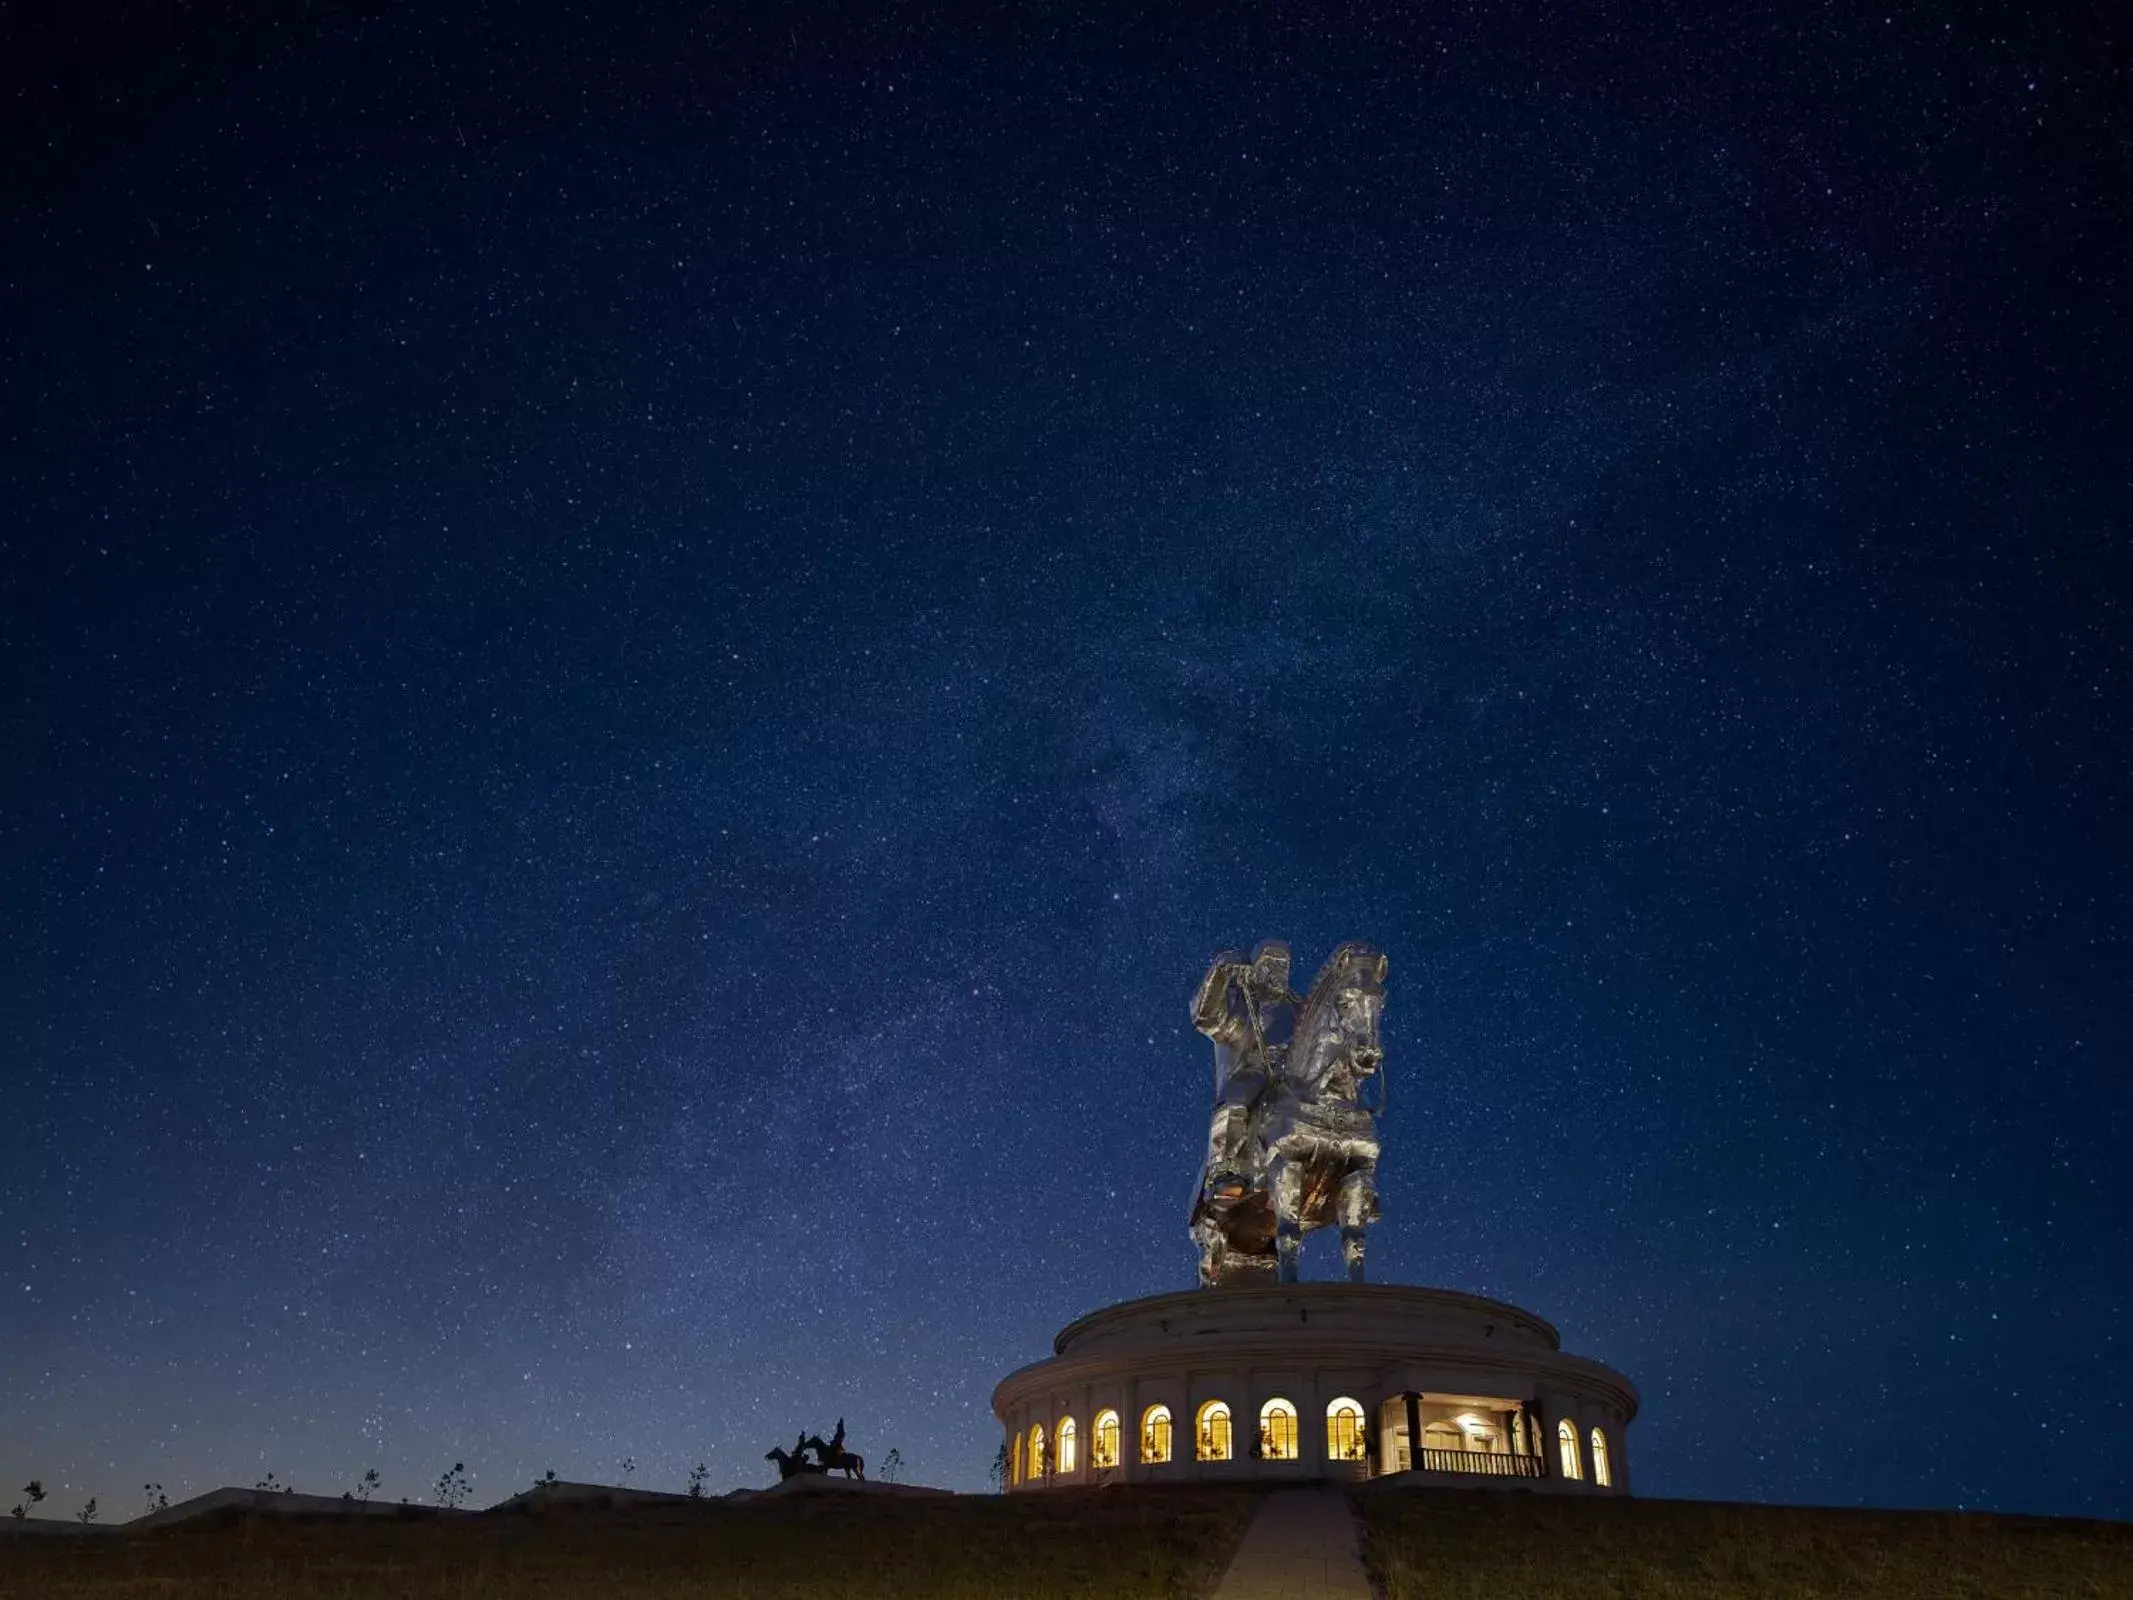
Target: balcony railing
1485, 1463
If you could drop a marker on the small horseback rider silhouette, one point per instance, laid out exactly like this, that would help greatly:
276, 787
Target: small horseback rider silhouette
834, 1456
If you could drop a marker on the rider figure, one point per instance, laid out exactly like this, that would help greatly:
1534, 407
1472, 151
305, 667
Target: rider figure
1246, 1009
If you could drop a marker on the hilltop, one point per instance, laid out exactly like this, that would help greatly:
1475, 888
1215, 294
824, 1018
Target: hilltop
1426, 1544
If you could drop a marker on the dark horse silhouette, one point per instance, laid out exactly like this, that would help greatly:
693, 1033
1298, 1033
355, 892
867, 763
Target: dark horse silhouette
791, 1465
835, 1457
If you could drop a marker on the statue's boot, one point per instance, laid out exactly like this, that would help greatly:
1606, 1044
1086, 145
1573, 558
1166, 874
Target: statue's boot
1352, 1253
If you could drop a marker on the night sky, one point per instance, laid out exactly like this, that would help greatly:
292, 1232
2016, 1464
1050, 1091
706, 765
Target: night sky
643, 657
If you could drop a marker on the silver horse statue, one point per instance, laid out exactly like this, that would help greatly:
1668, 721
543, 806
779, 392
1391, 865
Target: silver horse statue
1291, 1145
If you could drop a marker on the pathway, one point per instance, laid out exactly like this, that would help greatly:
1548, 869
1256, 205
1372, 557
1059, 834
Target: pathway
1301, 1546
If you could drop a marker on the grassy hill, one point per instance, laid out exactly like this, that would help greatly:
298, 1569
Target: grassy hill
1446, 1545
1171, 1542
1113, 1544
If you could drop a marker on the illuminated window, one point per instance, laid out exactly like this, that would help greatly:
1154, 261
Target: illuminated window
1600, 1474
1567, 1437
1344, 1430
1213, 1437
1014, 1458
1155, 1434
1103, 1441
1066, 1444
1277, 1431
1036, 1450
1442, 1436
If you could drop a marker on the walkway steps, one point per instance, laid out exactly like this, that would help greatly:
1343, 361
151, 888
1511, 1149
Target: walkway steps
1303, 1545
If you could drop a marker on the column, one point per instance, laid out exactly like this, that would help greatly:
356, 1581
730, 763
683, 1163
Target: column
1129, 1433
1085, 1426
1414, 1429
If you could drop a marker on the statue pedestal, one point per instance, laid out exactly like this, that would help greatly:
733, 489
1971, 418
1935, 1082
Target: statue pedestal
838, 1484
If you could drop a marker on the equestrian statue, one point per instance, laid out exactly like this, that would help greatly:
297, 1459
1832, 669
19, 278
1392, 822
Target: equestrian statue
1291, 1146
830, 1457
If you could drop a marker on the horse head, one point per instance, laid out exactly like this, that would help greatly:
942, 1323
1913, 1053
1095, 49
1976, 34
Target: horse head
1337, 1027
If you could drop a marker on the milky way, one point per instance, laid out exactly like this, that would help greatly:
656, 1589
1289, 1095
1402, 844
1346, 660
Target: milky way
642, 660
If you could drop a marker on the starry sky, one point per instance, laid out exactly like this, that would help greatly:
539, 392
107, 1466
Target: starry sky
642, 654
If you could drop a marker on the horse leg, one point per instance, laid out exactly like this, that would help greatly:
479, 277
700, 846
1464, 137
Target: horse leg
1356, 1205
1229, 1138
1285, 1185
1209, 1238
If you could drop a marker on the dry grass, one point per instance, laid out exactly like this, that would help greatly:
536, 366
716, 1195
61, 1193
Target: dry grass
1428, 1544
1445, 1545
1168, 1542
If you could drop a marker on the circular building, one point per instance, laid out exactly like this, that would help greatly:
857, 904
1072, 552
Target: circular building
1300, 1381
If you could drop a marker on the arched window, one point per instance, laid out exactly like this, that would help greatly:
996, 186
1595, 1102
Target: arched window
1344, 1430
1014, 1458
1600, 1474
1036, 1450
1213, 1432
1566, 1435
1103, 1441
1277, 1431
1067, 1456
1155, 1434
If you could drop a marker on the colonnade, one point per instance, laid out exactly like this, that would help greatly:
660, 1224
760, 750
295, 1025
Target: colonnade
1081, 1439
